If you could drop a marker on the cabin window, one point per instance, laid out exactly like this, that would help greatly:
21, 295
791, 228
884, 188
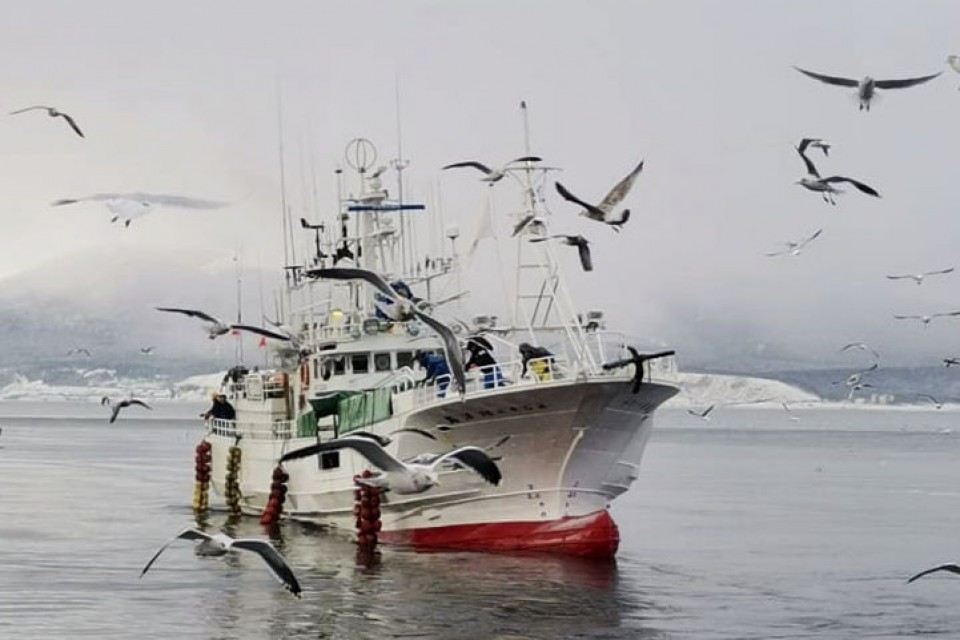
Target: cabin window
360, 362
316, 369
381, 362
330, 460
404, 359
339, 365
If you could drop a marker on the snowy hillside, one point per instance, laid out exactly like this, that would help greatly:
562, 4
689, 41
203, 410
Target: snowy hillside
701, 389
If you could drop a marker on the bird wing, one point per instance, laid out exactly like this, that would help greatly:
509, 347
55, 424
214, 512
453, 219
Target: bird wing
911, 317
903, 84
811, 168
366, 447
617, 364
261, 331
807, 241
945, 314
275, 562
29, 109
139, 402
928, 397
373, 436
859, 185
475, 458
950, 566
420, 432
526, 159
592, 211
620, 190
899, 277
843, 82
707, 411
469, 163
351, 273
583, 248
193, 313
935, 273
72, 123
115, 411
168, 200
451, 347
187, 534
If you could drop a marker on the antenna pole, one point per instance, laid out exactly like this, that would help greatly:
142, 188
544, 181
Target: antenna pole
236, 260
283, 187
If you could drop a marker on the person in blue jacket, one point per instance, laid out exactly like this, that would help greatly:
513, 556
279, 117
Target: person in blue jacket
436, 367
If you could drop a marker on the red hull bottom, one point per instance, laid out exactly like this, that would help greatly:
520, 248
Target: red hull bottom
591, 536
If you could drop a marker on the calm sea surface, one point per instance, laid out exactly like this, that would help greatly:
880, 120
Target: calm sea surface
748, 526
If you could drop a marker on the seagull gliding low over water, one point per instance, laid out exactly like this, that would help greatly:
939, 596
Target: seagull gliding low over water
219, 544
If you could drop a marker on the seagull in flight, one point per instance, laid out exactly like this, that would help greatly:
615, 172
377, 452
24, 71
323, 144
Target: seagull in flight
926, 396
582, 245
602, 211
790, 413
215, 326
399, 476
130, 206
867, 86
451, 346
147, 351
927, 319
947, 362
54, 113
123, 404
492, 175
825, 186
950, 566
918, 277
219, 544
794, 247
636, 359
705, 414
862, 347
80, 351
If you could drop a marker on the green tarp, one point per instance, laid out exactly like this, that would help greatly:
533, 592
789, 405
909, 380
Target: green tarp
353, 410
365, 408
307, 424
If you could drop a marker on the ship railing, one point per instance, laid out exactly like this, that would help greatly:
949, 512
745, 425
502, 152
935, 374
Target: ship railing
264, 386
489, 378
276, 430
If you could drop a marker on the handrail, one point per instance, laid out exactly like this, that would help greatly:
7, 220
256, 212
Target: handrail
276, 430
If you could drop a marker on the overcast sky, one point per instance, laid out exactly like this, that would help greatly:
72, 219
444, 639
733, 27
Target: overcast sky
181, 97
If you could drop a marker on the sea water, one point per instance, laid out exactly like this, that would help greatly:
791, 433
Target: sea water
751, 525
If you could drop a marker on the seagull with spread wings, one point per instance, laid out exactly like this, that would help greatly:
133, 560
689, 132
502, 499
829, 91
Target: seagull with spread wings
404, 477
703, 415
952, 567
451, 346
495, 174
927, 319
582, 245
219, 544
825, 186
602, 212
794, 247
130, 206
919, 277
215, 327
862, 346
54, 113
867, 86
637, 359
123, 404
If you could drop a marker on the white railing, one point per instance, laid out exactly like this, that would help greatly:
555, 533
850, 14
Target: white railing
276, 430
264, 386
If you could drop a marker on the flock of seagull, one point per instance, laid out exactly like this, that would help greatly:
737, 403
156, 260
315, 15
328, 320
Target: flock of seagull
125, 207
604, 212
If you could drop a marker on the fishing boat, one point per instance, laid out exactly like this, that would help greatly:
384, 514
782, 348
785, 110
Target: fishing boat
554, 403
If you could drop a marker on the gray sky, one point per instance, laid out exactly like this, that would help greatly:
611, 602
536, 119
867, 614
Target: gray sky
180, 97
